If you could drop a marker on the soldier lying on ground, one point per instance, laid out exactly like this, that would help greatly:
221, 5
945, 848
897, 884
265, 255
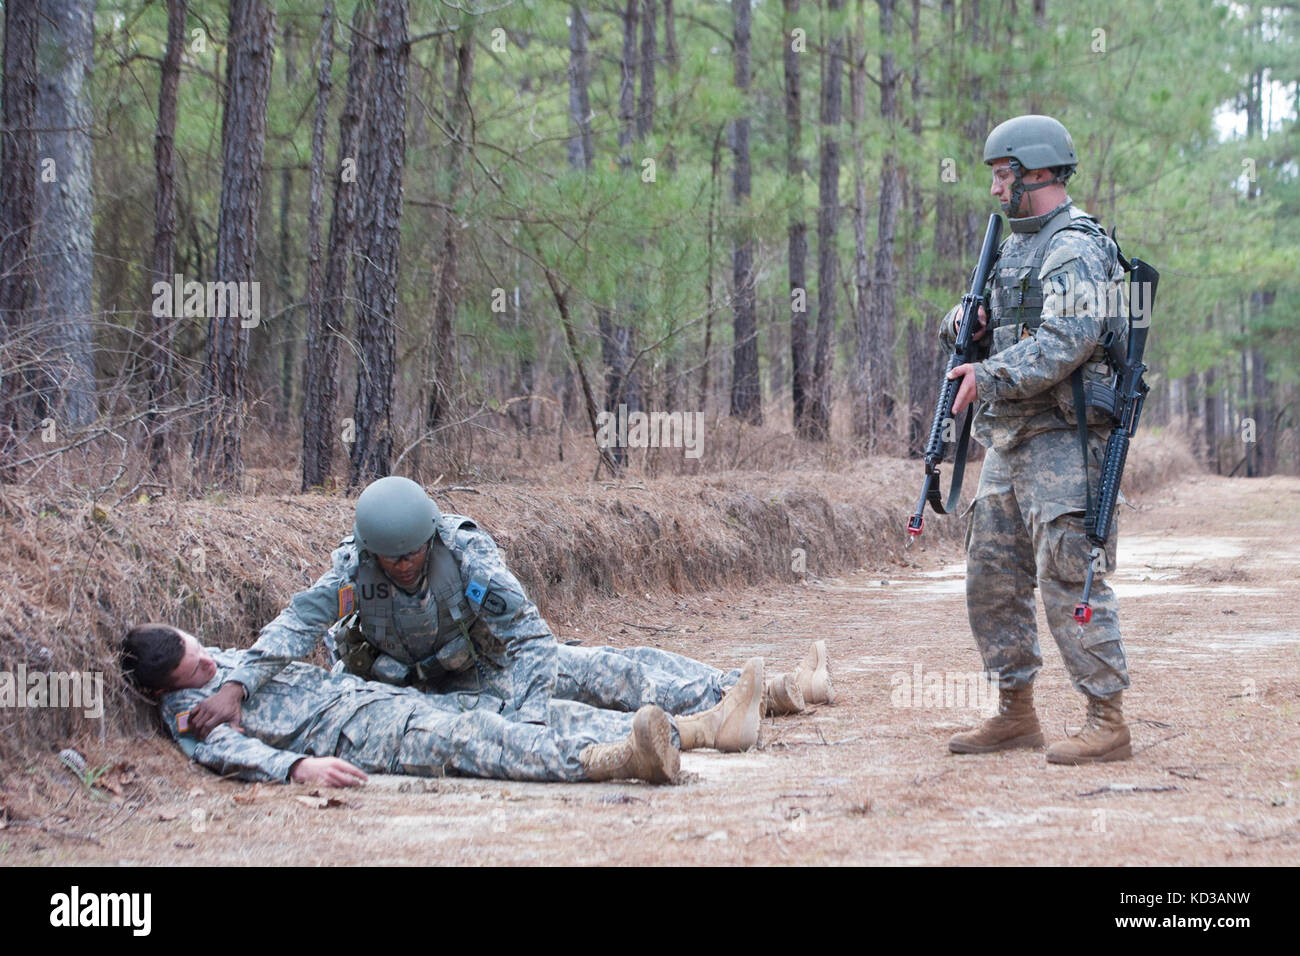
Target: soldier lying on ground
422, 599
311, 726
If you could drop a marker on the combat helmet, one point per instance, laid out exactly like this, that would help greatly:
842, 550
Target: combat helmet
394, 517
1032, 142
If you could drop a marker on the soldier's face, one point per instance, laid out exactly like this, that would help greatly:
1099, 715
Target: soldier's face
1004, 181
196, 667
405, 569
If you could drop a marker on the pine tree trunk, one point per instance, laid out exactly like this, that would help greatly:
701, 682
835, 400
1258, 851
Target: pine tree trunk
218, 446
827, 224
65, 226
164, 239
318, 395
288, 334
797, 230
446, 295
746, 388
861, 382
18, 155
580, 147
884, 278
379, 171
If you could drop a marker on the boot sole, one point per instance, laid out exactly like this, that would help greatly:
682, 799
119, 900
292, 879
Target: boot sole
1122, 752
1026, 741
652, 735
794, 695
820, 689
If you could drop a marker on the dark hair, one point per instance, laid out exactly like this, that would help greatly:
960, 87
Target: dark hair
150, 653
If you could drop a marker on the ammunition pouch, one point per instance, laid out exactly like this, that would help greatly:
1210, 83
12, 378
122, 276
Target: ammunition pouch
354, 652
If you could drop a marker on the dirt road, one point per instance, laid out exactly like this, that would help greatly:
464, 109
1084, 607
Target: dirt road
1207, 582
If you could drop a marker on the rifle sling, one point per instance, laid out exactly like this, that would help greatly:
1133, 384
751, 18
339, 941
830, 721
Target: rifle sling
1081, 419
958, 471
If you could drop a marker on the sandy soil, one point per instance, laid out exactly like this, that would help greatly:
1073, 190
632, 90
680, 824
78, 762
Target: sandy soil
1208, 573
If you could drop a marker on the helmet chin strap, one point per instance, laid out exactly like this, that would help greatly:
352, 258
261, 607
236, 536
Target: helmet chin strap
1019, 187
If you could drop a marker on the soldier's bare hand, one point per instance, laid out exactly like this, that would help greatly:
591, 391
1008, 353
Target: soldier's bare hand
980, 331
327, 771
966, 392
221, 708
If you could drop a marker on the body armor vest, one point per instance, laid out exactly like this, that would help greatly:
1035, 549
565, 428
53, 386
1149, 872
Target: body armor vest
401, 638
1017, 292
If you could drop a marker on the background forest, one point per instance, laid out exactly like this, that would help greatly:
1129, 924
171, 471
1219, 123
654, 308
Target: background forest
461, 229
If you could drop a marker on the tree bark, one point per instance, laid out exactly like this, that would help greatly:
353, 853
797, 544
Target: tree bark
645, 114
218, 446
827, 224
580, 146
797, 229
924, 363
383, 153
862, 383
319, 395
446, 295
746, 387
18, 154
288, 334
64, 236
884, 278
164, 239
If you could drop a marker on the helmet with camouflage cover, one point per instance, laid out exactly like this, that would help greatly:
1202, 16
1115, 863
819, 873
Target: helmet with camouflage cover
394, 517
1032, 142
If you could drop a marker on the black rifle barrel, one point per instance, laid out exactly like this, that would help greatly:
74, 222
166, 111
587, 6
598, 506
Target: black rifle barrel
964, 351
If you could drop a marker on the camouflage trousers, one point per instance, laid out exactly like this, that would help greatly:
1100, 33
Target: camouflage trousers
610, 678
1027, 529
625, 678
431, 735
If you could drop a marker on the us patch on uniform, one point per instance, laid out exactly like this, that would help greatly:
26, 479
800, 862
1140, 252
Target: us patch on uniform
347, 600
494, 603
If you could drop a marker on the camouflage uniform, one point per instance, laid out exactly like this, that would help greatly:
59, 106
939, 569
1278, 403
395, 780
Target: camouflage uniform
508, 654
1027, 519
304, 711
626, 678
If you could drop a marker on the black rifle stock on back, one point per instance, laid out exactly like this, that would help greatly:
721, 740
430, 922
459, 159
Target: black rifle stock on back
1130, 391
965, 350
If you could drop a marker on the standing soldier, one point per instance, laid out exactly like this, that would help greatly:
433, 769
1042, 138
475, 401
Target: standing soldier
1056, 301
418, 598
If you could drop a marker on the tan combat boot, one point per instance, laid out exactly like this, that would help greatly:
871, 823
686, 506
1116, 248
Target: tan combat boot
1014, 725
809, 683
1103, 737
647, 753
782, 695
732, 724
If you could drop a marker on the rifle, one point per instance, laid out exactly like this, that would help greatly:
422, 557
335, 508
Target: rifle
1129, 392
965, 350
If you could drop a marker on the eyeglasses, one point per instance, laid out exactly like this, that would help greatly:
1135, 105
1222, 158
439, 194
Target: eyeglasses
409, 556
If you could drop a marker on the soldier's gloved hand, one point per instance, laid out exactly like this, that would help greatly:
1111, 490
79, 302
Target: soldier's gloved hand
327, 771
221, 708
